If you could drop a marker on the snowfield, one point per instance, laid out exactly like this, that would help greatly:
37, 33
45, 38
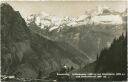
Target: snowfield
99, 16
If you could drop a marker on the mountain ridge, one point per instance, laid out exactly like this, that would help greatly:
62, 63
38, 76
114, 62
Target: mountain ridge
24, 52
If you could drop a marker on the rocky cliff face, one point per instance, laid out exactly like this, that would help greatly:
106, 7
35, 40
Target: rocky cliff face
24, 52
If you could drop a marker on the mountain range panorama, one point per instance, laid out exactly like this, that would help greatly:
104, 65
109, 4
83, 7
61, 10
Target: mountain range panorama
27, 49
88, 33
52, 22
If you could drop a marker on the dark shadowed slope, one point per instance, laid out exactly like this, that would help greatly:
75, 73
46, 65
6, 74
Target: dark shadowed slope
111, 60
24, 53
114, 59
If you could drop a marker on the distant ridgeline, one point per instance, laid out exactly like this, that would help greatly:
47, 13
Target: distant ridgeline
114, 59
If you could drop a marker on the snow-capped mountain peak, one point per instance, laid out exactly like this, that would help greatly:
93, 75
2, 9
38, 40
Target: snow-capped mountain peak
101, 15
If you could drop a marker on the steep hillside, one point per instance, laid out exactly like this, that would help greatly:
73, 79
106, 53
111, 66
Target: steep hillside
114, 59
25, 53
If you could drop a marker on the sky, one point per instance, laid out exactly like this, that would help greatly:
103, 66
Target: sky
65, 8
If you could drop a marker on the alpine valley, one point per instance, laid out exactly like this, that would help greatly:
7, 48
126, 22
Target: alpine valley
43, 45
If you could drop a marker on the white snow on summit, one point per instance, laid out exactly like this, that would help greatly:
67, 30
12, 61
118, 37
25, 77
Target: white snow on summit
101, 15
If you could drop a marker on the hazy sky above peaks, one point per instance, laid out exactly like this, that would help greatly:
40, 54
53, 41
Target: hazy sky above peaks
62, 8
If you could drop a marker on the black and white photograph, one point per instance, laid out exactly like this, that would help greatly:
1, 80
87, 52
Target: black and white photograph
63, 41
